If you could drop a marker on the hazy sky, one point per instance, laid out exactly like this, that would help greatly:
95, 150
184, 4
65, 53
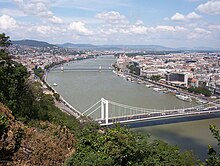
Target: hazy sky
172, 23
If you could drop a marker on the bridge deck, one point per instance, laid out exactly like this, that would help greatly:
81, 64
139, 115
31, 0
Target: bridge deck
155, 116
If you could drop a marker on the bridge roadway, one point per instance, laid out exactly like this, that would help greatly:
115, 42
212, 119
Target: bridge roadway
160, 115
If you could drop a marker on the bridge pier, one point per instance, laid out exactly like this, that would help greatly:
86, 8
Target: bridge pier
102, 109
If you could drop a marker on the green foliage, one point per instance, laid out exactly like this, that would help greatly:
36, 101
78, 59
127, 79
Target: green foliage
120, 147
39, 72
57, 96
161, 153
200, 90
155, 78
61, 118
214, 158
4, 41
46, 110
13, 89
134, 68
26, 99
3, 124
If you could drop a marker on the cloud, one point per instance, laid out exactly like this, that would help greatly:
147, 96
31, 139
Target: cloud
178, 17
193, 0
7, 22
165, 28
199, 33
139, 22
55, 19
44, 29
112, 17
12, 12
37, 8
193, 16
79, 28
137, 29
211, 7
214, 27
188, 17
201, 30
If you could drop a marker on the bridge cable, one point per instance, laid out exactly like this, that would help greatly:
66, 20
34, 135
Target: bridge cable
90, 107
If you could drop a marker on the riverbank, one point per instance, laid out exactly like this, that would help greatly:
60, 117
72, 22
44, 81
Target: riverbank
140, 80
62, 104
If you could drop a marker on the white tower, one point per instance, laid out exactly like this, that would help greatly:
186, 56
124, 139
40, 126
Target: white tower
104, 110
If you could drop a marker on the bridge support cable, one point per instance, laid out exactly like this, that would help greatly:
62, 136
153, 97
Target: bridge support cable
130, 107
154, 110
89, 109
113, 112
94, 111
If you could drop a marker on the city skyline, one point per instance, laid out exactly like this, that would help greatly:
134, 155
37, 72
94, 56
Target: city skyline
188, 23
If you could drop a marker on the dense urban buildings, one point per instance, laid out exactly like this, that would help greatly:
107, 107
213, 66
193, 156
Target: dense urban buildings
178, 69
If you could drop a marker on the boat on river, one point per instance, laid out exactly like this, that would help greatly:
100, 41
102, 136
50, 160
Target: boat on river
54, 84
156, 89
149, 85
184, 97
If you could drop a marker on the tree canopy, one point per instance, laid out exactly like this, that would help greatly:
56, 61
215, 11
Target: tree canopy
214, 157
120, 147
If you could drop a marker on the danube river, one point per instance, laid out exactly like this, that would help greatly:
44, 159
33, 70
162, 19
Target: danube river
84, 88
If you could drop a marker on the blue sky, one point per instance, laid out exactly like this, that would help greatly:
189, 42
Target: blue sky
172, 23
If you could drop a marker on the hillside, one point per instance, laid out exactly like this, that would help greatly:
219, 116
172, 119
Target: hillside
32, 43
114, 47
82, 46
47, 144
119, 47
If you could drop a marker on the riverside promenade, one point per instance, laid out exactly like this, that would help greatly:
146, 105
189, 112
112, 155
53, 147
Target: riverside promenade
197, 96
62, 104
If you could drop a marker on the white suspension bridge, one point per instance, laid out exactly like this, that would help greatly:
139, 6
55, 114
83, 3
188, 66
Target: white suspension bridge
107, 112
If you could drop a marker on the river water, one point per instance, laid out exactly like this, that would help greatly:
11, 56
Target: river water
84, 88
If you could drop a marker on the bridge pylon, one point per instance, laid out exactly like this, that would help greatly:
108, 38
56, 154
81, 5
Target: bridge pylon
104, 110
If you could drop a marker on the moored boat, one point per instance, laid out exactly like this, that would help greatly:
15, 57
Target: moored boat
184, 97
156, 89
54, 84
149, 85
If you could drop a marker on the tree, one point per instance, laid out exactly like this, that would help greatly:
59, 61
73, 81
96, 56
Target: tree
39, 72
3, 125
14, 90
200, 90
134, 68
214, 158
121, 147
4, 41
155, 78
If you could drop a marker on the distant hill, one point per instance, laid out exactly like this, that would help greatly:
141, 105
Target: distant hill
114, 47
82, 46
144, 47
197, 49
32, 43
35, 43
